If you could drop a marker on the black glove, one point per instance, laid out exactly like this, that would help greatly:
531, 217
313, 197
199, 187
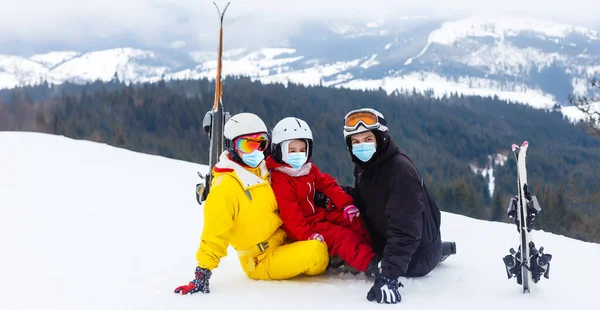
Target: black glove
323, 201
385, 290
199, 284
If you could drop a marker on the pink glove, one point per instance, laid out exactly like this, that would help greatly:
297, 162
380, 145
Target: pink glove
316, 236
350, 212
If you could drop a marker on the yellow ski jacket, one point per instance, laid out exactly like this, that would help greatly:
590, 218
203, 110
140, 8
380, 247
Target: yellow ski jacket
241, 211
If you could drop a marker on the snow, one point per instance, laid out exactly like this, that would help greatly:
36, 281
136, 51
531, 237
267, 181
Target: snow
442, 86
500, 27
492, 181
8, 80
573, 114
585, 69
23, 70
314, 75
340, 78
505, 69
53, 58
410, 60
103, 65
499, 159
592, 70
488, 171
89, 226
580, 86
58, 67
238, 62
370, 62
504, 58
268, 53
258, 68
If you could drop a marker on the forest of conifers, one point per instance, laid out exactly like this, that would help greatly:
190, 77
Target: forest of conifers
444, 137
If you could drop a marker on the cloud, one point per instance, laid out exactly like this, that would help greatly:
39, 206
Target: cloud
152, 22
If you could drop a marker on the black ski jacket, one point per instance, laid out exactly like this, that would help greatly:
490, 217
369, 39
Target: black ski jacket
403, 219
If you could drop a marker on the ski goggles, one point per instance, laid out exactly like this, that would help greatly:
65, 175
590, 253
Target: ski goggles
364, 117
249, 143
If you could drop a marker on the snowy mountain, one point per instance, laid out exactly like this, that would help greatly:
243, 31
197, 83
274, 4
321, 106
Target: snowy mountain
524, 60
88, 226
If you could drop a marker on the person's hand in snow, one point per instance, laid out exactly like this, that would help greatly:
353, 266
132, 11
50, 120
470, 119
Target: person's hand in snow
199, 284
385, 290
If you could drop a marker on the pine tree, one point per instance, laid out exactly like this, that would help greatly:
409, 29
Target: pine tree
120, 136
40, 121
498, 211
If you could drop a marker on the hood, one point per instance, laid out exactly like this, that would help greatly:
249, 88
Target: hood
247, 176
272, 164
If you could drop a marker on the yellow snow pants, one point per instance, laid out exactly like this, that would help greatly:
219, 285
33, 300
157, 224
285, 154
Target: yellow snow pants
285, 261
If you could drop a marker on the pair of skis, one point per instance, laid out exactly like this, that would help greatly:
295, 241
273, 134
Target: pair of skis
214, 121
528, 264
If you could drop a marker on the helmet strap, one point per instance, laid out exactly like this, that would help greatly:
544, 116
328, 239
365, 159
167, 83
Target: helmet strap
233, 155
285, 149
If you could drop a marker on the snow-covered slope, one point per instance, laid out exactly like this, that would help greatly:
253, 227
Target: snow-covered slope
58, 67
504, 27
512, 57
88, 226
53, 59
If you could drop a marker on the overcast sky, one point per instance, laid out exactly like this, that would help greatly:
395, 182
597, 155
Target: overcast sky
152, 21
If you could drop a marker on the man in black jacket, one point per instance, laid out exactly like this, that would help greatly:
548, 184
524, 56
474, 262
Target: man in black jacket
402, 217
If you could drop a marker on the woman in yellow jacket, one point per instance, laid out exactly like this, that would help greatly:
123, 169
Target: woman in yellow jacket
241, 210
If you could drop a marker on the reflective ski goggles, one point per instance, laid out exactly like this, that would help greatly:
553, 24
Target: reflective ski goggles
364, 117
249, 143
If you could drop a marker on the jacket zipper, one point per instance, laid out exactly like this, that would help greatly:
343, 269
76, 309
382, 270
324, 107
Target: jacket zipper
308, 200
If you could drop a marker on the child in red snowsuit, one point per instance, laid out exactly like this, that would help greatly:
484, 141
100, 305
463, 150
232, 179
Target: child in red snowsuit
295, 180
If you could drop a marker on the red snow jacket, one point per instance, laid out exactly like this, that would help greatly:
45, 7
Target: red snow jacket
295, 193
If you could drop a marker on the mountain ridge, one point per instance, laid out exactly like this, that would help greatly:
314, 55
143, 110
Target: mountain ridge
531, 61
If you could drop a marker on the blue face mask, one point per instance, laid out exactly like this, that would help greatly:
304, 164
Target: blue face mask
296, 160
364, 151
253, 159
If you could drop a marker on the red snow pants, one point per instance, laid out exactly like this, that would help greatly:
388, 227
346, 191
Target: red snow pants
350, 241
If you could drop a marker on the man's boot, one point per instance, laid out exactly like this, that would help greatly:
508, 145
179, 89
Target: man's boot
448, 248
335, 262
345, 268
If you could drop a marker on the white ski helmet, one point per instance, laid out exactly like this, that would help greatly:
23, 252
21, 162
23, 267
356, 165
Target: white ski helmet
243, 124
362, 120
287, 129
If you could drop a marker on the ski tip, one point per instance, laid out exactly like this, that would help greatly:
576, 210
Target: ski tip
525, 144
514, 147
